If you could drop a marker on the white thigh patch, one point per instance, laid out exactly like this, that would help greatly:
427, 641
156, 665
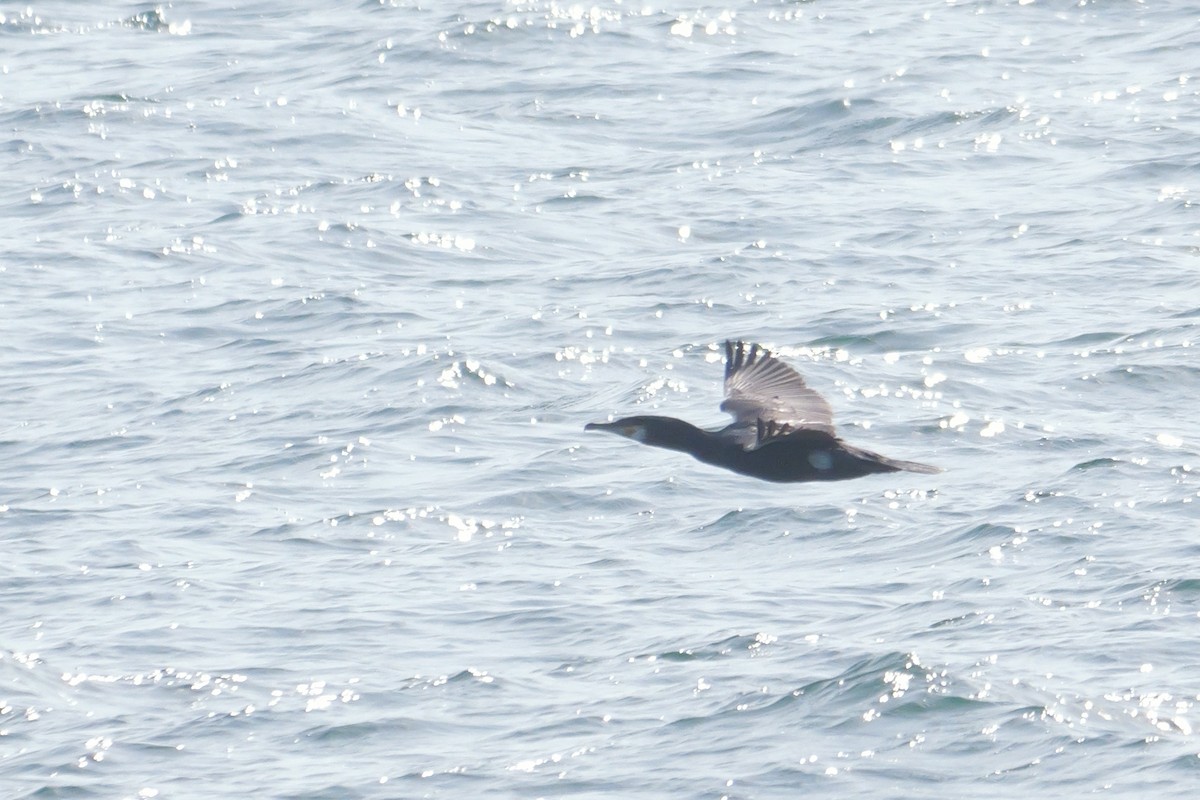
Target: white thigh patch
820, 459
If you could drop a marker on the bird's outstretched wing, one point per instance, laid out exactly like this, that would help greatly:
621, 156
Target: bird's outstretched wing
769, 399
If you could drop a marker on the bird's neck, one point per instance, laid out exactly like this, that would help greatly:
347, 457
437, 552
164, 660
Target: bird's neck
675, 434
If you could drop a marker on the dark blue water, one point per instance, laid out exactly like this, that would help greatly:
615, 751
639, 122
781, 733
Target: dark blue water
303, 310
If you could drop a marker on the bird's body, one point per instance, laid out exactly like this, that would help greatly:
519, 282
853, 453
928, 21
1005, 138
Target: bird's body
783, 430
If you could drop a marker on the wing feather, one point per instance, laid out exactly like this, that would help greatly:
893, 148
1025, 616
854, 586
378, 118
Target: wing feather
769, 399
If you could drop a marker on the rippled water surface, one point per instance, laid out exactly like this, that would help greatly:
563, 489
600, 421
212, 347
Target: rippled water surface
303, 308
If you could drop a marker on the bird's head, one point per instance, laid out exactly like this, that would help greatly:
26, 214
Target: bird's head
674, 434
636, 428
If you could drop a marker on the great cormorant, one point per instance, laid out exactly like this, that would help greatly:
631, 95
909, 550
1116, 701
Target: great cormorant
782, 429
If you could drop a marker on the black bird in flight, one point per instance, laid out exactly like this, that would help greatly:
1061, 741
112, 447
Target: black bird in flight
782, 429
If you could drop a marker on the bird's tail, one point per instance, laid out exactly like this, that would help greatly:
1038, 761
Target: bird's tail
910, 466
877, 463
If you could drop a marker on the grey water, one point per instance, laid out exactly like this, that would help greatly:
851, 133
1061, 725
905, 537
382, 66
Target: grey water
304, 306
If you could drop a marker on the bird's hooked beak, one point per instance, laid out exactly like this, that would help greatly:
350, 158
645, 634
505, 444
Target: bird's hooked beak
630, 430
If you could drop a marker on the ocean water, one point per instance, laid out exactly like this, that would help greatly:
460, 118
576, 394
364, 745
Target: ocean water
303, 308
